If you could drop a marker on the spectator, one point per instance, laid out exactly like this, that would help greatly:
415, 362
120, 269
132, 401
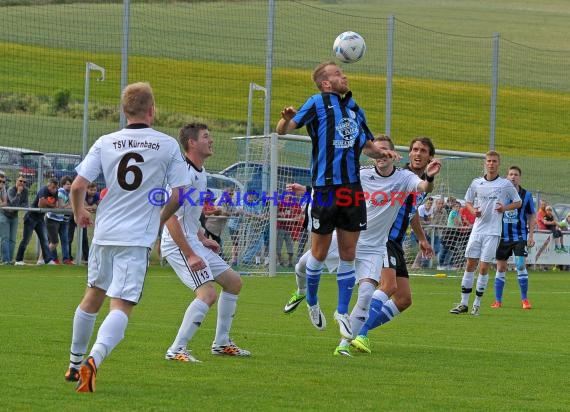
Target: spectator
547, 221
467, 218
3, 221
449, 203
17, 197
439, 221
440, 213
35, 222
450, 239
301, 232
92, 200
208, 208
234, 227
257, 229
217, 219
58, 223
288, 214
425, 213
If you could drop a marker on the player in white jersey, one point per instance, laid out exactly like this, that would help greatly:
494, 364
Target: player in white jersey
137, 162
385, 188
388, 188
394, 295
487, 198
195, 258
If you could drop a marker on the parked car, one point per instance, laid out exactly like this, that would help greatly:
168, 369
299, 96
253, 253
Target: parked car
218, 183
18, 160
250, 174
561, 210
64, 164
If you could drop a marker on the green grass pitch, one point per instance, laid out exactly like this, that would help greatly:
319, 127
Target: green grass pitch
427, 359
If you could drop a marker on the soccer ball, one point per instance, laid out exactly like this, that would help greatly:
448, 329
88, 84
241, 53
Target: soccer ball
349, 47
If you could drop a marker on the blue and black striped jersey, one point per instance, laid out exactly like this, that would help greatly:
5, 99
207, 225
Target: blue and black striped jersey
515, 222
338, 130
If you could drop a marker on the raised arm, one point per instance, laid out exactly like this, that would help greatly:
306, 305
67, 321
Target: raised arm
286, 124
433, 168
375, 152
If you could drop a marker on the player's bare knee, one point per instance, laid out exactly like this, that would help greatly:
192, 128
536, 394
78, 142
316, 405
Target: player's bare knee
92, 300
207, 293
230, 281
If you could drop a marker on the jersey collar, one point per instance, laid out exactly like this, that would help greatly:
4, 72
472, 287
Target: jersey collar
137, 126
378, 173
193, 165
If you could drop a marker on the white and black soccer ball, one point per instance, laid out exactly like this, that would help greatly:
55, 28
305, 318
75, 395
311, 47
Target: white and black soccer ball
349, 47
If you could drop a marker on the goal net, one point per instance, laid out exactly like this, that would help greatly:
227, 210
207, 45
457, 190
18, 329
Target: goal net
247, 242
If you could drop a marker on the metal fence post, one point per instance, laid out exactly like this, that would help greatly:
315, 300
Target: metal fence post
494, 90
124, 57
274, 156
389, 74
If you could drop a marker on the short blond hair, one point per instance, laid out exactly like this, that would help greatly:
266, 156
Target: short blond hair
384, 138
493, 153
320, 75
136, 99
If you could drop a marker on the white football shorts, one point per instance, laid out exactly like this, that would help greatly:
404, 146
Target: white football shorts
215, 266
369, 264
482, 247
118, 270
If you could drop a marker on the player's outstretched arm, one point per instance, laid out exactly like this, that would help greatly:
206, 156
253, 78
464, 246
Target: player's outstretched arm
433, 169
375, 152
286, 124
296, 188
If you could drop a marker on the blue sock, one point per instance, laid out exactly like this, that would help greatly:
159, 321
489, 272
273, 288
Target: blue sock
499, 285
314, 270
523, 283
389, 311
376, 304
373, 315
345, 279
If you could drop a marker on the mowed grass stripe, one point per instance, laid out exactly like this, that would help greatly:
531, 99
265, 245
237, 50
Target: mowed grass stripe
455, 114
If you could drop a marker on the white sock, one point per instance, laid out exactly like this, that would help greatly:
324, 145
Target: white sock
380, 295
111, 332
482, 281
360, 310
193, 317
390, 310
83, 324
301, 274
466, 287
226, 309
